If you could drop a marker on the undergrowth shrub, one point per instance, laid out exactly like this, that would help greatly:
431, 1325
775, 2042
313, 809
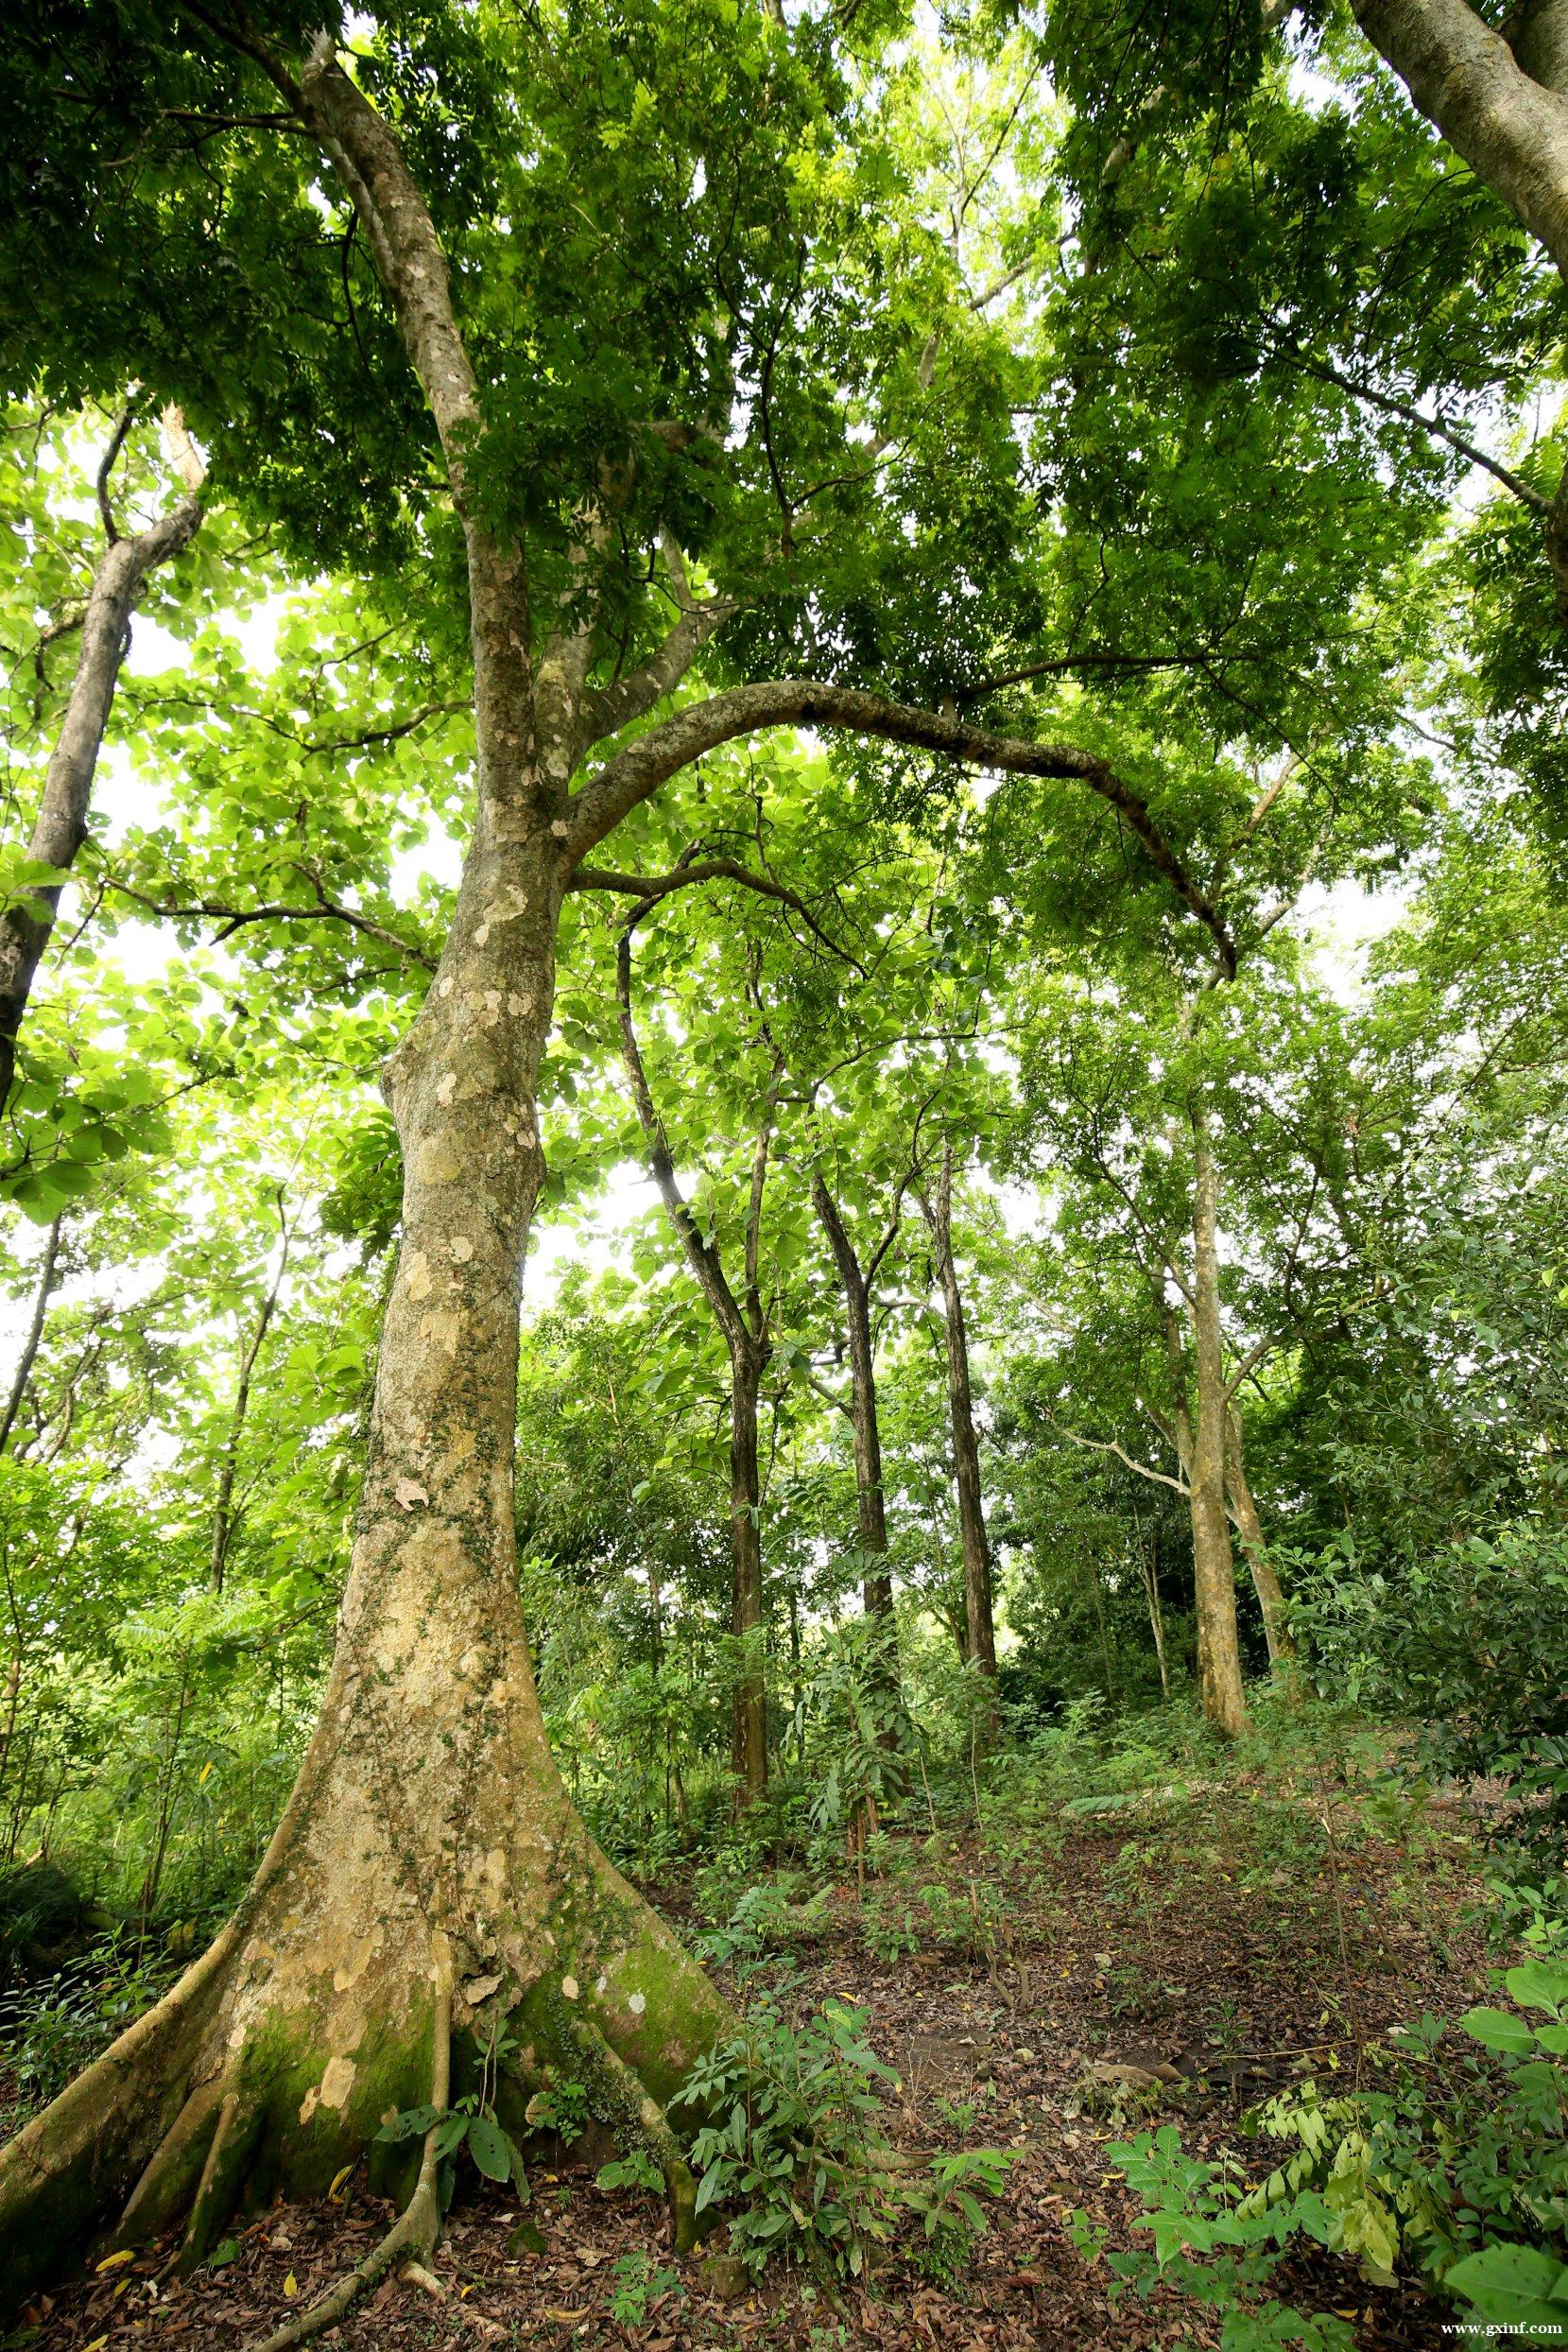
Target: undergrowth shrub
1458, 2172
795, 2143
52, 2027
1471, 1645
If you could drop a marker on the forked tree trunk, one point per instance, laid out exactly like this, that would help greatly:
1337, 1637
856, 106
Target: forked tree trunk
1213, 1565
1149, 1571
1244, 1511
979, 1620
428, 1831
1239, 1502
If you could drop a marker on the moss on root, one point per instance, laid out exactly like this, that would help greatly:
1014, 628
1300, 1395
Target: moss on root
177, 2119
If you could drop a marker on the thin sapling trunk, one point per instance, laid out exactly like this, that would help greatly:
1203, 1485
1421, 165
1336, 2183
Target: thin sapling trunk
979, 1620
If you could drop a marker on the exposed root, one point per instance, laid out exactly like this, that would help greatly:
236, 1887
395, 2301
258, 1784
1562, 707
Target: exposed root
166, 2188
633, 2107
411, 2239
240, 2123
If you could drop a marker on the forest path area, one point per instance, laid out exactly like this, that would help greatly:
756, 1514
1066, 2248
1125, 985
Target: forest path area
1050, 1984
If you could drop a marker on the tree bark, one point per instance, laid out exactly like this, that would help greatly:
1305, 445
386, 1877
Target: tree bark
1213, 1566
60, 825
1244, 1511
979, 1622
1509, 128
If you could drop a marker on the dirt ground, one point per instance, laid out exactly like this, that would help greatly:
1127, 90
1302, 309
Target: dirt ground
1222, 1942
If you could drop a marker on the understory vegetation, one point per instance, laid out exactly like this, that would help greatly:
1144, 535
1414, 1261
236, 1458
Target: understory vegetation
784, 1234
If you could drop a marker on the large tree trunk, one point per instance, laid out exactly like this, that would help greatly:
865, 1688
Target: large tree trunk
428, 1827
1244, 1511
980, 1625
1213, 1566
1500, 98
865, 1428
1510, 127
60, 825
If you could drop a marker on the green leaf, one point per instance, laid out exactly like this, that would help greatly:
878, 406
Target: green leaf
1534, 1986
1494, 2028
490, 2148
1517, 2285
412, 2123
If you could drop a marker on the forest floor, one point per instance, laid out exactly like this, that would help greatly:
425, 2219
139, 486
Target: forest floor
1168, 1954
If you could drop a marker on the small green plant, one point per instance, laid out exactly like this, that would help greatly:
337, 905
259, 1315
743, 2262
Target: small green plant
469, 2122
1213, 2251
465, 2125
1458, 2168
636, 2170
762, 1923
638, 2283
888, 1929
560, 2105
948, 2203
799, 2148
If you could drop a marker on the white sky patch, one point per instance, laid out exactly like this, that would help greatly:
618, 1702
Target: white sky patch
1340, 923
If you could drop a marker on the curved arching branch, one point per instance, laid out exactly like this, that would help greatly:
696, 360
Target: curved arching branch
632, 774
650, 888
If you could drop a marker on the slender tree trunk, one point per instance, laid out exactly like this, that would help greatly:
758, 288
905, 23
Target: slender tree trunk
1178, 1431
60, 827
746, 1336
870, 1511
1149, 1568
1244, 1509
1213, 1567
979, 1622
47, 1277
223, 1523
749, 1720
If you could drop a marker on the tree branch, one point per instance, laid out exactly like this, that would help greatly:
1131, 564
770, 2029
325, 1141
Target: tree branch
235, 919
628, 778
1103, 1446
652, 887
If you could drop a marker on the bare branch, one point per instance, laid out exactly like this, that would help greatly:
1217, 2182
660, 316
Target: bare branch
1104, 1445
